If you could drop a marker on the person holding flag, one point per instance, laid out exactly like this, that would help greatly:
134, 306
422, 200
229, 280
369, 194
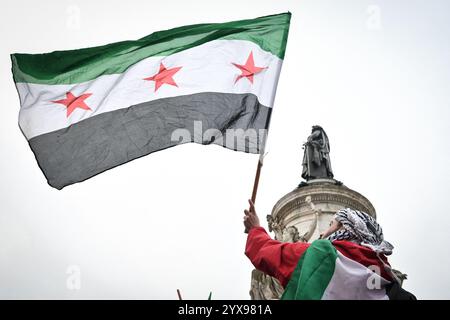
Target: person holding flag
347, 262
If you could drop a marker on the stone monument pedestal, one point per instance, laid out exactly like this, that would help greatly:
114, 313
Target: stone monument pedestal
310, 207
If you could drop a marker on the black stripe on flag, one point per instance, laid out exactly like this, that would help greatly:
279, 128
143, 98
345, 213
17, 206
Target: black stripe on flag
104, 141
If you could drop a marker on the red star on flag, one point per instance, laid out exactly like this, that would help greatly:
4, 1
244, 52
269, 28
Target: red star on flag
248, 69
164, 76
72, 102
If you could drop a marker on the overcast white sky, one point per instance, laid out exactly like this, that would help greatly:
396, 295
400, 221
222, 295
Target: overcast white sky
375, 74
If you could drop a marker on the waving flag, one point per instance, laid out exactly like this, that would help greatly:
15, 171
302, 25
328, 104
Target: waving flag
88, 110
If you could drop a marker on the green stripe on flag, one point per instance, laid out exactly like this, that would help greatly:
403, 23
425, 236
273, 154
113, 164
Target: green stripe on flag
75, 66
313, 272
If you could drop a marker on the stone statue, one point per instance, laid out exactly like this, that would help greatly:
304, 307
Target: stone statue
265, 287
316, 159
291, 234
275, 227
400, 276
312, 227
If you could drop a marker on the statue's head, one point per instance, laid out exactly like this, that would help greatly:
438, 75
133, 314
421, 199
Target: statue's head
316, 127
290, 234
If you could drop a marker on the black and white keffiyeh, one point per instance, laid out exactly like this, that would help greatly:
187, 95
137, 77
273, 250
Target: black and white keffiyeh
361, 228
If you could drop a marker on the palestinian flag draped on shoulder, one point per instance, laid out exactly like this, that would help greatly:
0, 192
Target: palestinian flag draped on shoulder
324, 273
88, 110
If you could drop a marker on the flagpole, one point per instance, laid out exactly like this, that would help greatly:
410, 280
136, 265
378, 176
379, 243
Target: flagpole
256, 181
257, 175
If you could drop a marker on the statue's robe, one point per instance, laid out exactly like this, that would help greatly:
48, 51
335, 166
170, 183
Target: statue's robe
280, 259
314, 165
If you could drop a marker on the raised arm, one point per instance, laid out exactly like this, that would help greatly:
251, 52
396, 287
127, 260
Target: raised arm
275, 258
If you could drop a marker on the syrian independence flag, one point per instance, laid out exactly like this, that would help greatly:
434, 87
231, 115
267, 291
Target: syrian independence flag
88, 110
323, 273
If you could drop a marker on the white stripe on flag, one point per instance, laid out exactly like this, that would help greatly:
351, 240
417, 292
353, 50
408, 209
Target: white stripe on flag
350, 282
206, 68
